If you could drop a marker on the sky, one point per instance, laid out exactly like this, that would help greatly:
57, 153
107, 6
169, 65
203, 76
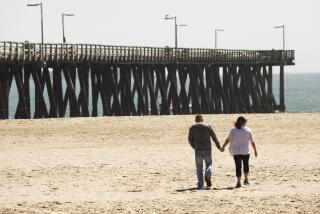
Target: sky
247, 24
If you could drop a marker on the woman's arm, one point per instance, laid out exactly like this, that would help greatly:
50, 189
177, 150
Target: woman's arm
254, 148
225, 144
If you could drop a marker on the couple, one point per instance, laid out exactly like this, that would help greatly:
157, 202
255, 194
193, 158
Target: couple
239, 139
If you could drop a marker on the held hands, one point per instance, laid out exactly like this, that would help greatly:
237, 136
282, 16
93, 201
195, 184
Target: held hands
222, 149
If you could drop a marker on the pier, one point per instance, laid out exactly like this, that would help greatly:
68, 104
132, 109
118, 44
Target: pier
79, 79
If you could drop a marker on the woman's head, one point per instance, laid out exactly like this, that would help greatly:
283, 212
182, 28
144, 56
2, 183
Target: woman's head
241, 122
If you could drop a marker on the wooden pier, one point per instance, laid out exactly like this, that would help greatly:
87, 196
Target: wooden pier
58, 80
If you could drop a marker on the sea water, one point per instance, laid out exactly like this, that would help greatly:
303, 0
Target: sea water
302, 93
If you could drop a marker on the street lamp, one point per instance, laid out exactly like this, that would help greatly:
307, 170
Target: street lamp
35, 5
182, 25
283, 33
282, 106
63, 15
215, 36
167, 17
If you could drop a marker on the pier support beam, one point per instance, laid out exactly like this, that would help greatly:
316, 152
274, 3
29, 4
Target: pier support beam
137, 89
281, 101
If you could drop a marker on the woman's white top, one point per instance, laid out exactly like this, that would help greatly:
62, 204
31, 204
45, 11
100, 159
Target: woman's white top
239, 141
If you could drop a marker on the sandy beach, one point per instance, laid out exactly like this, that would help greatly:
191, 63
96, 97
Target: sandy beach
145, 165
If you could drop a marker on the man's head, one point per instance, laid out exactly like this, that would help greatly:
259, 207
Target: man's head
199, 118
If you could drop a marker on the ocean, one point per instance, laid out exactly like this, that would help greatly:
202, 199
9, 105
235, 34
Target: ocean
302, 93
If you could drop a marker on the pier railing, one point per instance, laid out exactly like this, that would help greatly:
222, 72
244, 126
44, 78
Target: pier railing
17, 51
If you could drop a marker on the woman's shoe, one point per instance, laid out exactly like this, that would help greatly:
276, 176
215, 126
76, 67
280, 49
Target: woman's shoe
238, 185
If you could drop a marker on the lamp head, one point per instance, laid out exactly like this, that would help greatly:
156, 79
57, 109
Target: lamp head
33, 5
281, 26
168, 17
68, 14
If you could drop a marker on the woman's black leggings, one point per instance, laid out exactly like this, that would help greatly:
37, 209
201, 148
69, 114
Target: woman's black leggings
238, 159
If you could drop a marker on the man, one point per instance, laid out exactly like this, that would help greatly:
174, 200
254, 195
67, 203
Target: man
199, 139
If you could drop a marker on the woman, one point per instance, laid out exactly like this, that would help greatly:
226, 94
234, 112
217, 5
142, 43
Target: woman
239, 139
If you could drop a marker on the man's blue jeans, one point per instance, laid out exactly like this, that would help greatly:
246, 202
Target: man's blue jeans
206, 156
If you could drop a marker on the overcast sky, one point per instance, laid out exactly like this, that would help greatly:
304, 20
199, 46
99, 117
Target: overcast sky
247, 24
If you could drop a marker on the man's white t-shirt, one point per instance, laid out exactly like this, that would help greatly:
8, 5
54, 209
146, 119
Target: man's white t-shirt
239, 141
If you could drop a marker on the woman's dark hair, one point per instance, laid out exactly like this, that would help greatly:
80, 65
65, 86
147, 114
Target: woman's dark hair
240, 122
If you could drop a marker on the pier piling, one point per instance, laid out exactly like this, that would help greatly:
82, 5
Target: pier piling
81, 80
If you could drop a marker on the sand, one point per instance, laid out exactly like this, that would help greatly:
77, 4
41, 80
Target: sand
145, 165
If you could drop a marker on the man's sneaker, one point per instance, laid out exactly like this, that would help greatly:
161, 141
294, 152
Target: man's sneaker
208, 182
246, 182
238, 185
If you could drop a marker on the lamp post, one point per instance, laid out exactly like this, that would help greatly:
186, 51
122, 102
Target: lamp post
35, 5
182, 25
283, 35
282, 106
63, 15
167, 17
215, 36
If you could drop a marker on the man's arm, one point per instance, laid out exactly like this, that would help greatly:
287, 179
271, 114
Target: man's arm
190, 138
214, 138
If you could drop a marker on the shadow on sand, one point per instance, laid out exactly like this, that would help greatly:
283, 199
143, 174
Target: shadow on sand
187, 189
224, 188
195, 189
